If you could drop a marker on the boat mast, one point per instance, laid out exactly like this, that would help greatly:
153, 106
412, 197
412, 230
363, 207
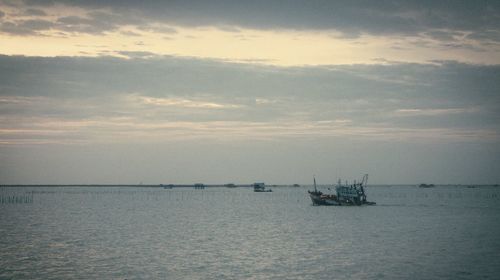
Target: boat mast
314, 178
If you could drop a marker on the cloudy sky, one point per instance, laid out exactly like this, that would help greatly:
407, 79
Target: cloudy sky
244, 91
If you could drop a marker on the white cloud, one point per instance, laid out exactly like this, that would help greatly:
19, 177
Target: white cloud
22, 100
187, 103
435, 112
261, 101
140, 129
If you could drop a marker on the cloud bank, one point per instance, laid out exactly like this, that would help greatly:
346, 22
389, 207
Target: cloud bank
102, 99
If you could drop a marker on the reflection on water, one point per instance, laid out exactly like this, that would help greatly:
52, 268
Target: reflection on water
233, 233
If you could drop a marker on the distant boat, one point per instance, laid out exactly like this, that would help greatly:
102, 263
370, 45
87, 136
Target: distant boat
230, 185
345, 194
169, 186
426, 186
296, 185
260, 187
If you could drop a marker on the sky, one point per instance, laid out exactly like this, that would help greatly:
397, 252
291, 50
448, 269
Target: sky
124, 92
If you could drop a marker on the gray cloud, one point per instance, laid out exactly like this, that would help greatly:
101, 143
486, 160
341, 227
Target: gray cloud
130, 33
449, 94
350, 17
84, 25
443, 35
486, 35
431, 24
34, 12
160, 29
95, 22
25, 27
137, 54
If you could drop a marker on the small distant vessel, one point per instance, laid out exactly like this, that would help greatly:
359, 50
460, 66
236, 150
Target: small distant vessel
169, 186
230, 185
260, 187
296, 185
426, 186
345, 194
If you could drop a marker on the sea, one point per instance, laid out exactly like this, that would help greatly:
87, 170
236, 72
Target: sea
124, 232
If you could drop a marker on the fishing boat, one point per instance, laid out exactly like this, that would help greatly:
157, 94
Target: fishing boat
260, 187
426, 186
345, 194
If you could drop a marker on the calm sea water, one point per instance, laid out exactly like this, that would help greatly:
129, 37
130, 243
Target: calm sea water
220, 233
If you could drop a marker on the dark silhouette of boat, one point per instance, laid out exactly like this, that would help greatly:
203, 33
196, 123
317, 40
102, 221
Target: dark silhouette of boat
345, 194
260, 187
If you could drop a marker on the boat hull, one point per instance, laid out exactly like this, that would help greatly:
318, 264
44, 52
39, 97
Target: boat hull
263, 190
319, 200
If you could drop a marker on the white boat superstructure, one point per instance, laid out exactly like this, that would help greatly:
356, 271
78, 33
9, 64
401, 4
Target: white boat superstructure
260, 187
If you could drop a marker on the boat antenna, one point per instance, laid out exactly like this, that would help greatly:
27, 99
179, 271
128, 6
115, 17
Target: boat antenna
314, 178
365, 180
